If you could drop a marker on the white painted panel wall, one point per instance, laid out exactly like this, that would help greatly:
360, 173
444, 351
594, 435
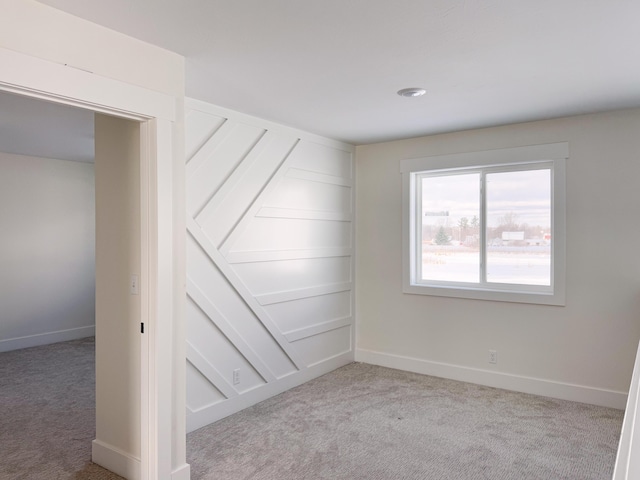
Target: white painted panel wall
47, 251
269, 259
583, 351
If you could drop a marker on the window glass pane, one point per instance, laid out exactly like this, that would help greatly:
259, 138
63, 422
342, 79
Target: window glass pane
519, 227
451, 228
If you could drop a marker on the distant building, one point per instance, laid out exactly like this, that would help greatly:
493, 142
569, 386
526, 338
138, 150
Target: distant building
512, 236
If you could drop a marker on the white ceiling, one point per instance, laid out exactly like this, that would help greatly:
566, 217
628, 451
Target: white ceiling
332, 67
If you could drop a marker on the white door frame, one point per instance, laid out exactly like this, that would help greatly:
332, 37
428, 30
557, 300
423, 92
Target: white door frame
36, 78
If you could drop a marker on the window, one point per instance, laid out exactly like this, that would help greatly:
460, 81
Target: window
486, 225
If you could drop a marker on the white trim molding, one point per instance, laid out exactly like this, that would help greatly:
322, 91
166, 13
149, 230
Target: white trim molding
33, 77
47, 338
550, 157
627, 466
71, 86
507, 381
115, 460
181, 473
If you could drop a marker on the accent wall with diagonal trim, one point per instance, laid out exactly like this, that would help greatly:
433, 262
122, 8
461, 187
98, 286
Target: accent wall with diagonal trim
270, 260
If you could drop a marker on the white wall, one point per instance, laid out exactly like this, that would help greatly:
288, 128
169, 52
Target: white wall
583, 351
269, 259
117, 164
46, 251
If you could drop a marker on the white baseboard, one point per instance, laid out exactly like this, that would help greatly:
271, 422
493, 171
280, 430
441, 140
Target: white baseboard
507, 381
182, 473
115, 460
47, 338
213, 413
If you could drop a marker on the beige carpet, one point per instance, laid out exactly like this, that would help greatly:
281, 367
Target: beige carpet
373, 423
47, 413
359, 422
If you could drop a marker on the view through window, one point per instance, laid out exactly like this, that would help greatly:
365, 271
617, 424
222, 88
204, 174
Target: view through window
515, 240
486, 225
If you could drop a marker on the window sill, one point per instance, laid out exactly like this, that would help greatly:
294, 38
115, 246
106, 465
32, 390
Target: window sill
495, 295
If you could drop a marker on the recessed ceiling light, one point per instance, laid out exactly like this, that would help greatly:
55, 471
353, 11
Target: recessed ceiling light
412, 92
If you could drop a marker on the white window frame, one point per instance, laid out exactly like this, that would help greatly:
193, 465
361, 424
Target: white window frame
551, 156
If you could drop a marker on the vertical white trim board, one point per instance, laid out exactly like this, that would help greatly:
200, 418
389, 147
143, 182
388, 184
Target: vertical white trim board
518, 383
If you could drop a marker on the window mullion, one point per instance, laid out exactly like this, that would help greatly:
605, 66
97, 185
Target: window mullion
417, 219
483, 228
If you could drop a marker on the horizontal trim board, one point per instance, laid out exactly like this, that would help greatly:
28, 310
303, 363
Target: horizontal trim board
293, 213
318, 328
287, 296
31, 76
199, 105
300, 174
530, 153
332, 357
279, 255
223, 409
47, 338
518, 383
115, 460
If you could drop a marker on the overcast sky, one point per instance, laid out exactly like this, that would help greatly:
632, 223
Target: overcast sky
526, 193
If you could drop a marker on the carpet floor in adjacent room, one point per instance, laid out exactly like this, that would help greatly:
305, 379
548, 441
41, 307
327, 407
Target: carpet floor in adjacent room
48, 413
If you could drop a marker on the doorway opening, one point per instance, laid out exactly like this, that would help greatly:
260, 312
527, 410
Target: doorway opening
162, 424
59, 209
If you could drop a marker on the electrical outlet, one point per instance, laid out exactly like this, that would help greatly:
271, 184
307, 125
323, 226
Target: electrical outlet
236, 376
493, 356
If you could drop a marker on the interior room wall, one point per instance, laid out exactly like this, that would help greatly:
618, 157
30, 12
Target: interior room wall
118, 237
583, 351
269, 259
47, 250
